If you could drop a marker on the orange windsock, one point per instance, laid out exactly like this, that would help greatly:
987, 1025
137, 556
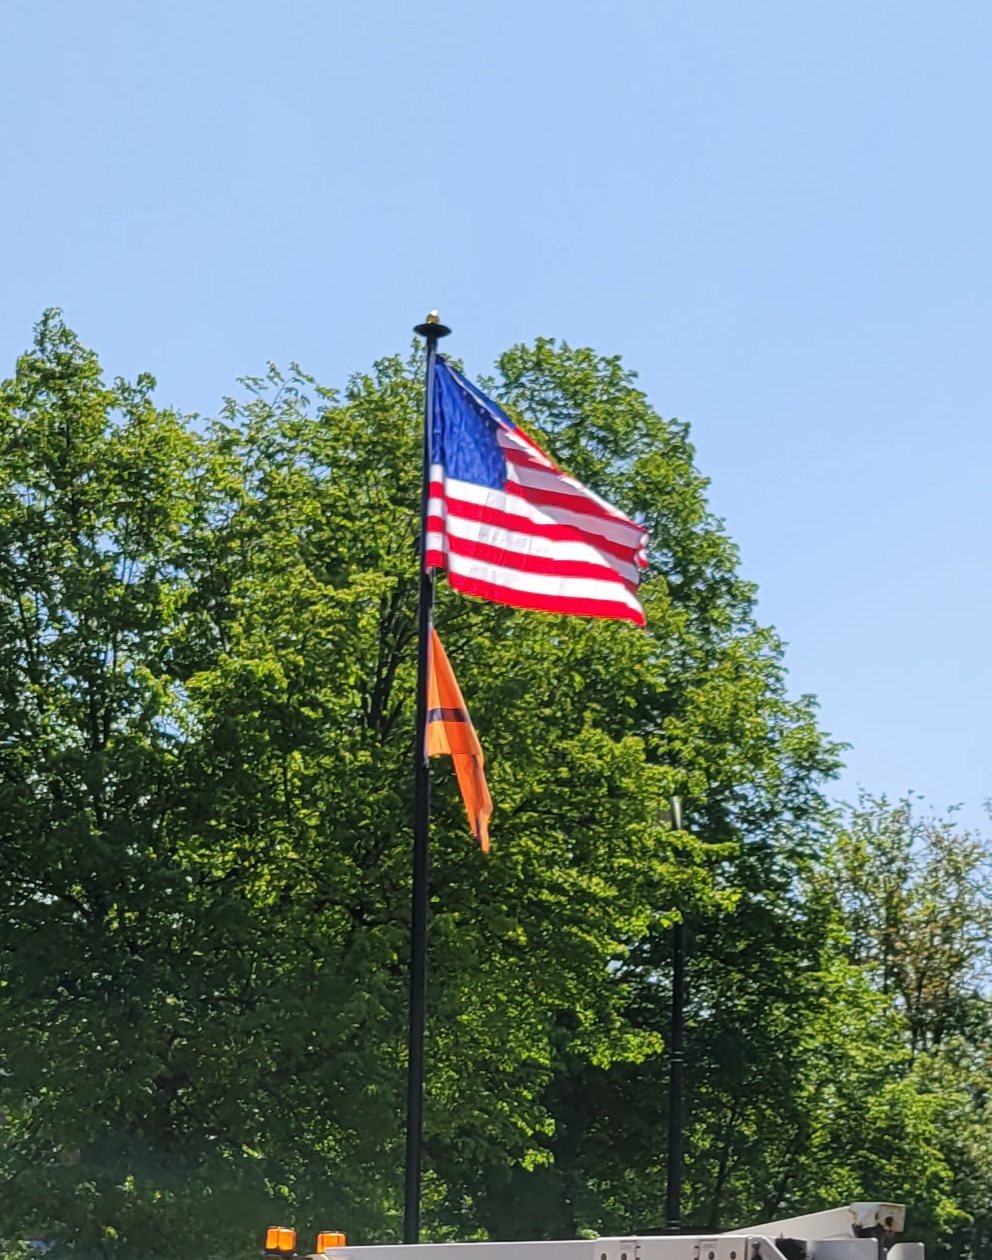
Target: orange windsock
450, 732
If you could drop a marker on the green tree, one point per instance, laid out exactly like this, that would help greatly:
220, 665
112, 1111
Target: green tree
206, 675
914, 896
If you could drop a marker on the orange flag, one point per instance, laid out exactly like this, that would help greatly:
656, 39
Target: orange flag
450, 731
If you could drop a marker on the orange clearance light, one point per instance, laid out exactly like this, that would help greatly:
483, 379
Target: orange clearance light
327, 1240
280, 1241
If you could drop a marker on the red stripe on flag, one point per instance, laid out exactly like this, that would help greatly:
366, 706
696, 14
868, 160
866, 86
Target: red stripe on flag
527, 459
567, 604
524, 562
522, 459
573, 502
556, 532
512, 440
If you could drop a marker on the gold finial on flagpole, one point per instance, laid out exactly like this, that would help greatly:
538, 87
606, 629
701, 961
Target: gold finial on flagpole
432, 326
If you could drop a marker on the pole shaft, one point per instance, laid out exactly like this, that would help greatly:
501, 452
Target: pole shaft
676, 1069
421, 853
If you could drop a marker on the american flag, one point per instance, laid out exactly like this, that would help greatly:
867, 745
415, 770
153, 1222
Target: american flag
510, 526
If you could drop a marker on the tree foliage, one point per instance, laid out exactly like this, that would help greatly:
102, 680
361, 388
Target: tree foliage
206, 676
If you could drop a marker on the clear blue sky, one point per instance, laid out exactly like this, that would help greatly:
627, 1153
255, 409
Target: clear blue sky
778, 213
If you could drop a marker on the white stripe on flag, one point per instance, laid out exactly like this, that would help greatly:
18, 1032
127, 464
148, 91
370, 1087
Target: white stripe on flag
620, 531
540, 584
522, 544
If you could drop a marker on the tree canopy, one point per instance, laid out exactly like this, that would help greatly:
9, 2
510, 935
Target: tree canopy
207, 655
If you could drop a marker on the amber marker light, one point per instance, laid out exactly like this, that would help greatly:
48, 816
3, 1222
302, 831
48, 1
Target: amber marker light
280, 1241
327, 1240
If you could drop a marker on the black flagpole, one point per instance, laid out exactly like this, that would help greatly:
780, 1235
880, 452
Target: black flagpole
432, 330
673, 1196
